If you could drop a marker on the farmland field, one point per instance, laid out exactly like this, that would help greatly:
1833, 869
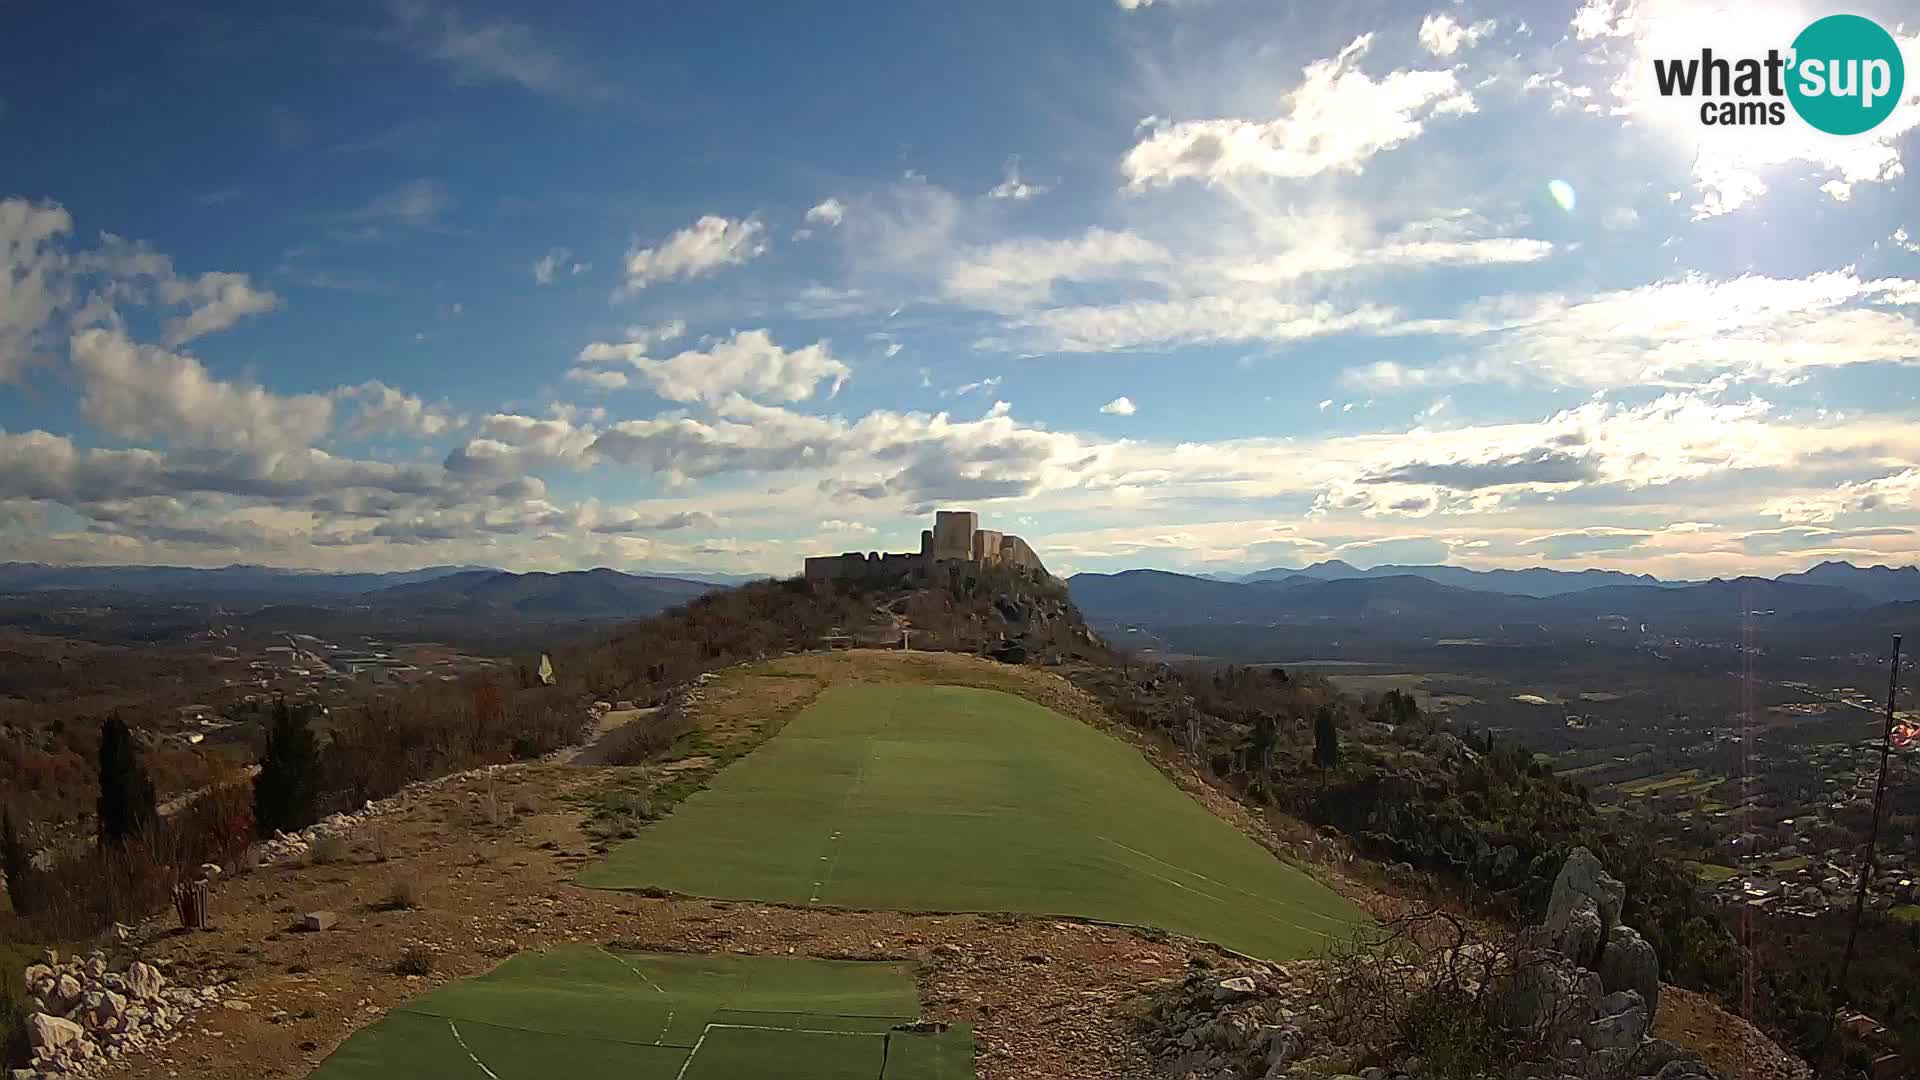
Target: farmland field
593, 1013
946, 798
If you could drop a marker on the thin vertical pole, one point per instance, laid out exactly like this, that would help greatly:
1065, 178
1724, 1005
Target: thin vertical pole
1866, 864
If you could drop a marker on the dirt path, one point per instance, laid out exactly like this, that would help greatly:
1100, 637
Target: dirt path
605, 736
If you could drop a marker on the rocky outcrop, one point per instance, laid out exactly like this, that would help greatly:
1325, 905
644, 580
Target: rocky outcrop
1584, 907
86, 1014
1627, 962
1574, 997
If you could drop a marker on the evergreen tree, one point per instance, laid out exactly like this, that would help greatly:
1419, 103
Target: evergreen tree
1266, 738
1326, 739
286, 793
126, 803
16, 861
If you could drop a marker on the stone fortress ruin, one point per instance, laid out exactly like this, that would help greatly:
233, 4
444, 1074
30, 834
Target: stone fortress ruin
956, 538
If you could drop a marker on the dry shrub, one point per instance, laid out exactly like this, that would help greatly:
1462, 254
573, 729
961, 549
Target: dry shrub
406, 892
524, 804
329, 849
647, 737
1424, 984
414, 960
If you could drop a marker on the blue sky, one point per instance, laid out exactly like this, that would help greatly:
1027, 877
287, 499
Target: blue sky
1202, 284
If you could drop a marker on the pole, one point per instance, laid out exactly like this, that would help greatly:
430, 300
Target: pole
1866, 864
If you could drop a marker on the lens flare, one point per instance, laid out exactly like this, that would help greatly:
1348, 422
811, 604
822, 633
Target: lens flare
1562, 193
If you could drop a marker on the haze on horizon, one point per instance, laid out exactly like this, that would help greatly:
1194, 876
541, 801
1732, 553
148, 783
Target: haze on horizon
1207, 285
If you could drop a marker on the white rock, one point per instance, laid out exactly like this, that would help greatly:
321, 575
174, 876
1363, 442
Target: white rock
144, 980
51, 1032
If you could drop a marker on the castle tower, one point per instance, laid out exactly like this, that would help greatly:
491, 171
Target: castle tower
953, 535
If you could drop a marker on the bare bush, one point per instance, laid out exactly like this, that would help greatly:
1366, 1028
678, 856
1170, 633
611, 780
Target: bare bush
406, 892
1427, 985
331, 848
414, 960
646, 738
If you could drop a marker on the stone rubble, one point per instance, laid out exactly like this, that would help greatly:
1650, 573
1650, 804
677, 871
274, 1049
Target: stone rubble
86, 1015
1583, 989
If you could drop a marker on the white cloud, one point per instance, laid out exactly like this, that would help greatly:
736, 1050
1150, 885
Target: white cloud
1441, 35
217, 300
1198, 320
385, 410
1897, 492
829, 212
748, 363
1335, 121
417, 203
983, 386
1325, 405
708, 245
1015, 273
133, 391
498, 50
32, 282
1695, 328
1120, 406
1014, 188
548, 268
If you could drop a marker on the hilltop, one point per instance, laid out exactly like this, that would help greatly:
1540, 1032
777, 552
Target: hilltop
1414, 813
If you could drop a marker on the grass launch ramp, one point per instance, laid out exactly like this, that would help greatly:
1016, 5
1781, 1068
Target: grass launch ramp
941, 798
589, 1013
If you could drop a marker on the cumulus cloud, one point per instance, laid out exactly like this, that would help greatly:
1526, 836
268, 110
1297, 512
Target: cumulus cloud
748, 363
32, 282
829, 212
1120, 406
134, 391
705, 247
387, 411
1335, 121
217, 301
1442, 35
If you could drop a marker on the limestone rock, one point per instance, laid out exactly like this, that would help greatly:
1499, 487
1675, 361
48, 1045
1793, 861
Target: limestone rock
1235, 989
52, 1033
1583, 886
66, 994
1621, 1025
318, 920
1627, 962
144, 981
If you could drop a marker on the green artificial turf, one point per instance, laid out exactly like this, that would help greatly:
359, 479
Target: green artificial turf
589, 1013
955, 799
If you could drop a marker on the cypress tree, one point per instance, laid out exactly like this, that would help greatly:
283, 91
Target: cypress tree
1326, 739
18, 864
127, 802
286, 793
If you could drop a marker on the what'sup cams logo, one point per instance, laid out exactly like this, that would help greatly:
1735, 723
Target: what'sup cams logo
1843, 75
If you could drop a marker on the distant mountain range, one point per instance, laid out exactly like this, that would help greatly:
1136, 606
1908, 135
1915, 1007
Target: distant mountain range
1418, 600
439, 590
1879, 584
577, 594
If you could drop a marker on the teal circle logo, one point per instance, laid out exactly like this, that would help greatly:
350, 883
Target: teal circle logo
1847, 74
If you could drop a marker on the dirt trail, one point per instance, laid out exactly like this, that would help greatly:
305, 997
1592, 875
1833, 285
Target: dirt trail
604, 738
